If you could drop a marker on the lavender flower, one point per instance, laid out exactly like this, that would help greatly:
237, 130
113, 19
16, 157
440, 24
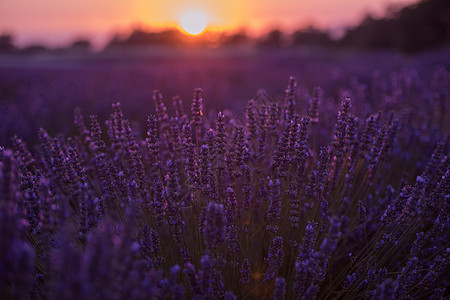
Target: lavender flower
245, 273
314, 101
197, 108
294, 208
178, 108
150, 247
220, 128
274, 259
211, 281
290, 98
215, 226
279, 292
192, 278
231, 228
362, 212
274, 118
274, 209
160, 108
152, 133
246, 188
367, 135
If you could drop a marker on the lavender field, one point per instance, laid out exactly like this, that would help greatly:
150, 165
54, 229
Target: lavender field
298, 173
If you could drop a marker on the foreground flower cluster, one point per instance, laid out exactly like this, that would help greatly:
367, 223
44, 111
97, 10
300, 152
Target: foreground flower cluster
220, 208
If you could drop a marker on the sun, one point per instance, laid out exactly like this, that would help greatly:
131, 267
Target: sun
193, 22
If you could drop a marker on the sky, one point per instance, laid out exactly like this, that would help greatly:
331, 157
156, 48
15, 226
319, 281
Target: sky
58, 22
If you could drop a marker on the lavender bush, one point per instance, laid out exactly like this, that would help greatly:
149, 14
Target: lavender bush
288, 202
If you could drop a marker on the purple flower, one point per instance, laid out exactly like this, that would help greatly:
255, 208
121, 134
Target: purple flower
279, 292
274, 209
290, 98
197, 108
160, 108
274, 259
314, 101
231, 229
214, 227
245, 272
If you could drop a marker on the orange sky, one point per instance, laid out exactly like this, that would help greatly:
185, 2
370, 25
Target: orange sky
58, 22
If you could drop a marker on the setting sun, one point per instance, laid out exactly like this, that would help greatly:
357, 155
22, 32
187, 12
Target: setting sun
193, 22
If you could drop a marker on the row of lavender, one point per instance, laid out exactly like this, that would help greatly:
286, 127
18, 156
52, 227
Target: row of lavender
35, 93
211, 208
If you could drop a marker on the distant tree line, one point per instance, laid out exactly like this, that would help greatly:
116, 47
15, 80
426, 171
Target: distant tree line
274, 38
414, 28
7, 46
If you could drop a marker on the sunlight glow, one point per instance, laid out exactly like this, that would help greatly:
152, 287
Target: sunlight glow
193, 22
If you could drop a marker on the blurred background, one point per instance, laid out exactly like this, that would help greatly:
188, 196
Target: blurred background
404, 25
